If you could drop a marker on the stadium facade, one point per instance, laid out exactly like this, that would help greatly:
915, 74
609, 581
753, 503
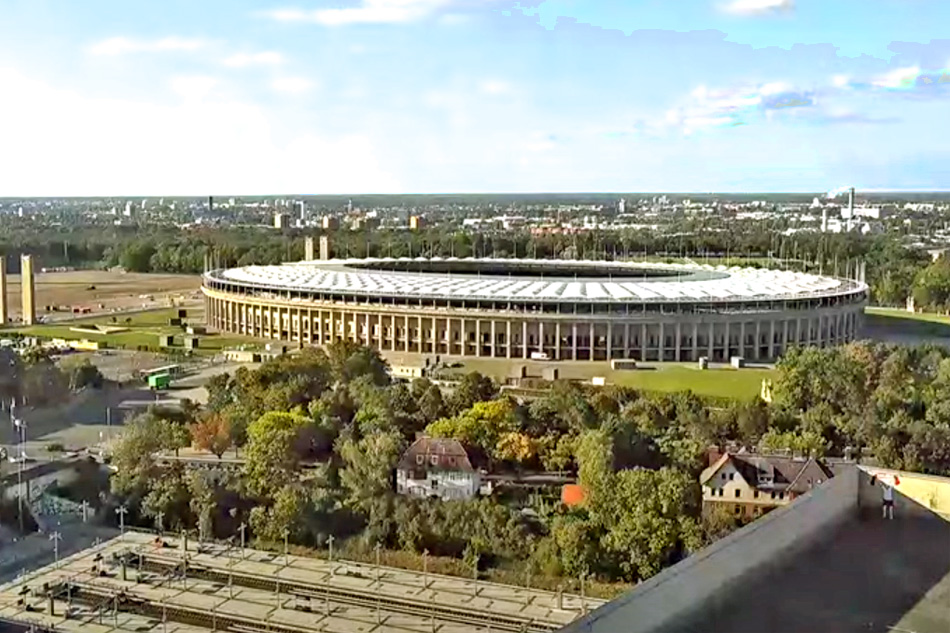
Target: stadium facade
542, 309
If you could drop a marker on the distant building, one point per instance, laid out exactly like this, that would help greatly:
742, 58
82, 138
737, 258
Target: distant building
329, 223
436, 467
416, 222
280, 220
750, 484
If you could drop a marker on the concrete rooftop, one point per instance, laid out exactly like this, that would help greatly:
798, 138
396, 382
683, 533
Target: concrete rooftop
868, 575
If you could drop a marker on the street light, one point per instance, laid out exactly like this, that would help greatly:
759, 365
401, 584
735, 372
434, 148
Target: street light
55, 537
121, 511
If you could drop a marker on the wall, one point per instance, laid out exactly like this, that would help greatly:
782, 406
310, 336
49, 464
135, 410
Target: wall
916, 494
659, 602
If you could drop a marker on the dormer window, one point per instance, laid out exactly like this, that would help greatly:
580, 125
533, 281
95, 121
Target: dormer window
420, 459
434, 460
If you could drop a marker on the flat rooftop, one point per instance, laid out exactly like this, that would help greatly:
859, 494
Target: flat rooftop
132, 584
868, 575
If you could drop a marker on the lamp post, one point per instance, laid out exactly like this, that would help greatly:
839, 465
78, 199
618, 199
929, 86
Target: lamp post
158, 521
425, 569
55, 537
241, 529
121, 511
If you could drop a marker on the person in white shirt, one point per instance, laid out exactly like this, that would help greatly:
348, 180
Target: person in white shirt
888, 508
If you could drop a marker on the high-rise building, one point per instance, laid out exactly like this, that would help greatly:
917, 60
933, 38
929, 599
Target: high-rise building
324, 247
621, 206
27, 290
4, 316
308, 248
416, 222
280, 220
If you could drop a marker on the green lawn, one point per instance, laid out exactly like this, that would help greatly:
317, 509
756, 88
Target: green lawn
727, 383
144, 330
911, 323
718, 382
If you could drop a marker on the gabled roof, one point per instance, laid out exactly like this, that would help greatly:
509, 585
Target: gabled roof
449, 454
786, 473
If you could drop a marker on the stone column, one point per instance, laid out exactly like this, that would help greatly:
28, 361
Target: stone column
574, 340
679, 340
508, 338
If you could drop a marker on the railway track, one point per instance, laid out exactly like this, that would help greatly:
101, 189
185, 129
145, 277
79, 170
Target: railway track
309, 596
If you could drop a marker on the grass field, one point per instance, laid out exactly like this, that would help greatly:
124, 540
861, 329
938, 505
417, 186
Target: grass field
896, 322
725, 382
144, 330
717, 381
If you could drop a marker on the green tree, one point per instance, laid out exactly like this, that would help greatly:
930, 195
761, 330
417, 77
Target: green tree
272, 456
368, 466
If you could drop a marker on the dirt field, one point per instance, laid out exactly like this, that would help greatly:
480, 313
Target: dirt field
114, 290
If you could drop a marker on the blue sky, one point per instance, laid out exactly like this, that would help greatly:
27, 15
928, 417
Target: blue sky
129, 97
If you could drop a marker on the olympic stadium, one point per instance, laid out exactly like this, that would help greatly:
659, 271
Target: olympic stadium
540, 309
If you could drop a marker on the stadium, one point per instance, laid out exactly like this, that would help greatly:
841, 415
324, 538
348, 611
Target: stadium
538, 309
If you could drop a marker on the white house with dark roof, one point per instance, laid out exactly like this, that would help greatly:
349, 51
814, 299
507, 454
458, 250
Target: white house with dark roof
749, 484
437, 467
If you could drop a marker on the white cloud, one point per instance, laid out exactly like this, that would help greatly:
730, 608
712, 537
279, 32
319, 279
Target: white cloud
707, 108
114, 46
263, 58
193, 86
126, 147
369, 12
292, 85
897, 77
495, 87
758, 7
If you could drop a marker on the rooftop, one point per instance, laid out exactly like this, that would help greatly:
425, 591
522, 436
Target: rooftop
539, 280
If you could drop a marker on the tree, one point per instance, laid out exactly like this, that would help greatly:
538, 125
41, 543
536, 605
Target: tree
82, 373
212, 432
203, 501
482, 426
283, 517
273, 451
133, 454
349, 361
515, 447
471, 389
368, 467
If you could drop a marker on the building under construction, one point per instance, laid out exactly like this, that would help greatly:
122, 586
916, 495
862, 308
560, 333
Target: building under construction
141, 583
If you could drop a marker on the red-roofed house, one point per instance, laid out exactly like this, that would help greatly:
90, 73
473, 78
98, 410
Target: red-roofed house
437, 467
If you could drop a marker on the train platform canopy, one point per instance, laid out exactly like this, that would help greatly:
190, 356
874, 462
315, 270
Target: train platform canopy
142, 584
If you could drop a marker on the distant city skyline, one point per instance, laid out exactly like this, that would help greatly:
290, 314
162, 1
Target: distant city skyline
176, 98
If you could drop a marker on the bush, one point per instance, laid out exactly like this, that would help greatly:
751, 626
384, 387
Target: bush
55, 447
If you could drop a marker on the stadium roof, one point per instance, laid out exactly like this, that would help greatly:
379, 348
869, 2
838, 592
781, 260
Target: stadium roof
538, 280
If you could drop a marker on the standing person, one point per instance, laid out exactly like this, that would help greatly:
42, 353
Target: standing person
888, 505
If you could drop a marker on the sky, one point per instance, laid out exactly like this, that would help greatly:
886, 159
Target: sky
243, 97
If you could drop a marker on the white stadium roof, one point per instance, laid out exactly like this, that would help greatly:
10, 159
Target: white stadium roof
700, 282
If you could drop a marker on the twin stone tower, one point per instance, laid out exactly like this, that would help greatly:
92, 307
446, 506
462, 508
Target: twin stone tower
27, 291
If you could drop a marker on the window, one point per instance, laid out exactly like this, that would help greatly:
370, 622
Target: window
724, 476
755, 494
738, 509
732, 476
773, 495
738, 493
781, 495
420, 459
434, 460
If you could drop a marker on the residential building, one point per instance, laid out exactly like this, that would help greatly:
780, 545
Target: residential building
436, 467
750, 484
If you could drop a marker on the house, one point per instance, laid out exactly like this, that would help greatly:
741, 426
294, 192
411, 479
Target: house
750, 484
436, 467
